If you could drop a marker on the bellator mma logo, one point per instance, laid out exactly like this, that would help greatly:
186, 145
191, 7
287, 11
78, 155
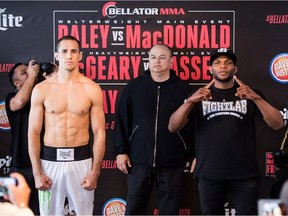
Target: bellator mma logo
110, 10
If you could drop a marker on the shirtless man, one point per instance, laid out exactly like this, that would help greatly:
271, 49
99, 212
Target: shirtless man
67, 103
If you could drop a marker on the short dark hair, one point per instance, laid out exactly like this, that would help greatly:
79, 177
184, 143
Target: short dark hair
164, 45
12, 72
67, 37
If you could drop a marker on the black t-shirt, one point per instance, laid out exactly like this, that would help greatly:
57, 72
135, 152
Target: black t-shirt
225, 136
18, 121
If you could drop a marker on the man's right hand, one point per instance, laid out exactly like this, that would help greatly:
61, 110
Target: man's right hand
43, 182
201, 94
123, 161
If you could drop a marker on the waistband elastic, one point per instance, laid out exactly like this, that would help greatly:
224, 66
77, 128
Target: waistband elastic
65, 154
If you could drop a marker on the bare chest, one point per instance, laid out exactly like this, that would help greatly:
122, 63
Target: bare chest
67, 99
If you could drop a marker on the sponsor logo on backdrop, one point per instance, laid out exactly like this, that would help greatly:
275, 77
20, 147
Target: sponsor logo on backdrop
228, 210
109, 164
9, 20
269, 164
285, 116
5, 165
4, 122
277, 19
5, 67
114, 207
279, 68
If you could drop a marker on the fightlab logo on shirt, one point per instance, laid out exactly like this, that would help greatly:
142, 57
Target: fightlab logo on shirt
9, 20
220, 108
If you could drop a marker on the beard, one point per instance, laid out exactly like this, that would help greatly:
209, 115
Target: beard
227, 79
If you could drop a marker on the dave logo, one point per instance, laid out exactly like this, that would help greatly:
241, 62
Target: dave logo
270, 167
9, 20
279, 68
4, 122
114, 207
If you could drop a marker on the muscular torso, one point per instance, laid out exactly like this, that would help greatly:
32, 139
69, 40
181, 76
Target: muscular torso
66, 118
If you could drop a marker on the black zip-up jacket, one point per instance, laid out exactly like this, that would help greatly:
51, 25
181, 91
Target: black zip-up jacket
142, 118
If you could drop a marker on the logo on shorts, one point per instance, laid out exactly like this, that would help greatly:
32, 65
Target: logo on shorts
65, 154
45, 200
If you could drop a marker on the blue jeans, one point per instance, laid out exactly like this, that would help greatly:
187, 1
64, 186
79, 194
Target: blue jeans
244, 195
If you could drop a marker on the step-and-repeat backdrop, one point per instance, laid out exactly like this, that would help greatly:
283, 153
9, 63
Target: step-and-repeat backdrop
116, 37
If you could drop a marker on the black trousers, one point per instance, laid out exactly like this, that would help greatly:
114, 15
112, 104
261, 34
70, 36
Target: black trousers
244, 195
140, 182
28, 175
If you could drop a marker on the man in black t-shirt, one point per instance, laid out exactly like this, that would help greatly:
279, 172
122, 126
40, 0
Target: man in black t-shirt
23, 77
224, 112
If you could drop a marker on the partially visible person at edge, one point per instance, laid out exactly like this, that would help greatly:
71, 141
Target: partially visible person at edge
145, 150
67, 104
17, 198
284, 198
23, 78
224, 112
